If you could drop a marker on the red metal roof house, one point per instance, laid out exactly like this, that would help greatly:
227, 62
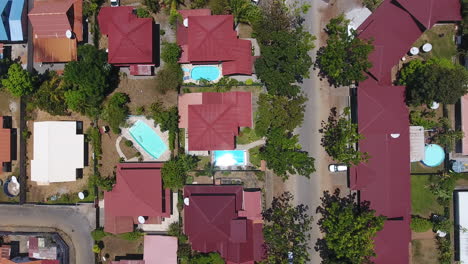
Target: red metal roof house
383, 119
133, 41
138, 192
213, 122
5, 143
206, 38
217, 218
50, 21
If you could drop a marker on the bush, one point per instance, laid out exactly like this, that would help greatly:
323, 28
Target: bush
248, 82
96, 249
198, 4
170, 52
94, 136
140, 110
169, 78
218, 7
419, 224
372, 4
128, 143
445, 250
142, 12
98, 234
131, 236
152, 5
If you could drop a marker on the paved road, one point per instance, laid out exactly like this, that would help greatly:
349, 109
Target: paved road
321, 99
75, 222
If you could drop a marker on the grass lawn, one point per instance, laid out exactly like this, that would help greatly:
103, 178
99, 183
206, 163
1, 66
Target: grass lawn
423, 202
442, 39
418, 167
246, 136
254, 156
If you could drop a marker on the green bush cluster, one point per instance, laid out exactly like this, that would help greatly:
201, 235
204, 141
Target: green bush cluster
98, 234
419, 224
132, 236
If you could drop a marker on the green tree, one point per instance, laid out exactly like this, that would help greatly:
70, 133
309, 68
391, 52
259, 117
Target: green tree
285, 45
209, 258
286, 230
169, 78
168, 120
174, 172
339, 137
116, 111
434, 80
142, 12
87, 80
244, 11
283, 155
170, 52
344, 59
219, 7
372, 4
349, 228
50, 96
19, 82
153, 5
280, 112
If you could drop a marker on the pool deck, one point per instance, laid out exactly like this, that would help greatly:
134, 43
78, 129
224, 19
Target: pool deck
146, 156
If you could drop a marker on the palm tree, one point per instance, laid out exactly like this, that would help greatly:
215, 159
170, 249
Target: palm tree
244, 11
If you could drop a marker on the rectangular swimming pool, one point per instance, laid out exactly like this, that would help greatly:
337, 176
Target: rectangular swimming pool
148, 139
224, 158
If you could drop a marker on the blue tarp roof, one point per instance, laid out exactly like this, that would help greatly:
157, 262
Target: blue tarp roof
16, 14
4, 13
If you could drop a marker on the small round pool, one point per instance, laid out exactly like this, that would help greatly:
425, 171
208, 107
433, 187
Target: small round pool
434, 155
209, 73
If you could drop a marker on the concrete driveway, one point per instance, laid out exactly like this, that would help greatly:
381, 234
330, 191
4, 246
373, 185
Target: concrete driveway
74, 223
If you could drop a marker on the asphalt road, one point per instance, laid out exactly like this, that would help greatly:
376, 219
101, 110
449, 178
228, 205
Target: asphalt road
75, 222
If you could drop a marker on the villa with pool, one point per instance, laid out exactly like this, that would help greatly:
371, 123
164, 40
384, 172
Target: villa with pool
210, 47
212, 121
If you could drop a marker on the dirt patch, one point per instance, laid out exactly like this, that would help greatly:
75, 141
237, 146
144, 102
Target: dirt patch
424, 251
110, 156
116, 247
38, 193
129, 152
245, 31
247, 178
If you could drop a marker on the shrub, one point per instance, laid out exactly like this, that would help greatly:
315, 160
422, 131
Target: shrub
98, 234
248, 82
128, 143
152, 5
372, 4
170, 52
140, 110
198, 4
142, 12
445, 250
131, 236
218, 7
96, 249
419, 224
94, 137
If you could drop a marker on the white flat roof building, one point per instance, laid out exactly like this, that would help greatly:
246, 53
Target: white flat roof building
58, 152
461, 213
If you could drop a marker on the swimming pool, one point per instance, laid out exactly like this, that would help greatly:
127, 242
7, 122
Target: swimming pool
434, 155
224, 158
209, 73
148, 139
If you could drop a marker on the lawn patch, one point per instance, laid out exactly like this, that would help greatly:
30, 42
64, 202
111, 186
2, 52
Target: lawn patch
442, 39
423, 202
246, 136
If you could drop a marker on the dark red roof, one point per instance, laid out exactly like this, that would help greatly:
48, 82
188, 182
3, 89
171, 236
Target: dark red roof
213, 39
5, 143
137, 192
213, 124
130, 37
212, 223
383, 119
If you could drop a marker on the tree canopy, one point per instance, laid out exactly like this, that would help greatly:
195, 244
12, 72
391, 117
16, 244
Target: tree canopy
50, 96
244, 11
339, 137
168, 119
283, 154
19, 82
280, 112
87, 80
349, 229
285, 45
169, 78
436, 80
170, 52
344, 59
174, 172
286, 230
116, 111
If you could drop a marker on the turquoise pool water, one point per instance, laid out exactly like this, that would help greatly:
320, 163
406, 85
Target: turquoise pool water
148, 139
229, 157
434, 155
209, 73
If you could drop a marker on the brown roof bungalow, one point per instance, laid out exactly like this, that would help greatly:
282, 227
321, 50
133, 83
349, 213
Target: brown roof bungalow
138, 193
57, 29
5, 143
225, 219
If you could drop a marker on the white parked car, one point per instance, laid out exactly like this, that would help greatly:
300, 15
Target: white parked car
115, 3
337, 167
